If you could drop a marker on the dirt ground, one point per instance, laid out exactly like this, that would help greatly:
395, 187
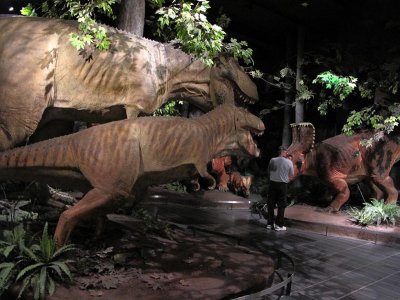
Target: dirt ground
189, 266
129, 263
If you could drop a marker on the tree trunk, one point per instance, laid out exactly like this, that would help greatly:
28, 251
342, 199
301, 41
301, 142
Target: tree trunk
286, 133
131, 16
300, 58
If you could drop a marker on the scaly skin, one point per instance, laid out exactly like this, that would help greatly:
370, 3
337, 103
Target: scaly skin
342, 160
113, 160
43, 78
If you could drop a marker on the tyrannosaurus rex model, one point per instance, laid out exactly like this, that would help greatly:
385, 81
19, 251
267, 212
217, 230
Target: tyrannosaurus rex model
111, 161
342, 160
43, 78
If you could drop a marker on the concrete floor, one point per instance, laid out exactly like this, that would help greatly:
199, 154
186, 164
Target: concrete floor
326, 266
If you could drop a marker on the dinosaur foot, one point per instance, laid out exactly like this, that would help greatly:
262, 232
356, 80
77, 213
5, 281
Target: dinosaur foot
223, 188
328, 209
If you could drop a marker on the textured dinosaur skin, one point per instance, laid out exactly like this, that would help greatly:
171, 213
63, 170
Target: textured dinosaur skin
342, 160
218, 165
113, 160
43, 78
239, 184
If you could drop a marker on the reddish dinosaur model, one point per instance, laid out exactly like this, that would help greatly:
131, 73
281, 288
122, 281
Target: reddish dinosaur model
342, 160
43, 78
114, 160
230, 180
218, 165
239, 184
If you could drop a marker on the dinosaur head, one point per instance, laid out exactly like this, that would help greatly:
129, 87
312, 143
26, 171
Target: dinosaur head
239, 141
246, 185
229, 83
303, 139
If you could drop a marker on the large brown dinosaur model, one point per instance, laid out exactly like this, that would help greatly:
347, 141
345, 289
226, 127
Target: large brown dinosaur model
111, 161
342, 160
43, 78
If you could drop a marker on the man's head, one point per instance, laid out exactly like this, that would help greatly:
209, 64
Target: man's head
282, 151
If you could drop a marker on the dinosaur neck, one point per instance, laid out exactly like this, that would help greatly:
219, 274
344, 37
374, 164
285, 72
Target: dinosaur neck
216, 126
309, 167
188, 78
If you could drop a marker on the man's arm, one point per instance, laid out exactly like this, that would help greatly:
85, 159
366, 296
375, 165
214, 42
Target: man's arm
269, 168
291, 170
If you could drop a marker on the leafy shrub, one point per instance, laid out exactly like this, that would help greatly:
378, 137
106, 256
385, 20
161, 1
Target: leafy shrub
152, 224
34, 265
376, 212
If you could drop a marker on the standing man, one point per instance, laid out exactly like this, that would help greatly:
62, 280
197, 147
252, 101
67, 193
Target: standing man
280, 170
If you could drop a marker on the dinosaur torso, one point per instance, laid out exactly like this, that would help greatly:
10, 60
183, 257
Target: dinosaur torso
344, 156
42, 77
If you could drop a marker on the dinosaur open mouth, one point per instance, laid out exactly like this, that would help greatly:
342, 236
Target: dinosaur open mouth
256, 131
252, 148
240, 95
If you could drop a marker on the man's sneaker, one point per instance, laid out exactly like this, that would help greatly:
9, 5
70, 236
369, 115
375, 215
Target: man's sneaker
280, 228
270, 227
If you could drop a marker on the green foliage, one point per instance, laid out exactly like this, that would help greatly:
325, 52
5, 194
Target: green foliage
191, 28
239, 50
171, 108
360, 118
91, 34
188, 24
376, 212
11, 211
340, 86
35, 265
151, 224
175, 186
367, 117
28, 11
304, 93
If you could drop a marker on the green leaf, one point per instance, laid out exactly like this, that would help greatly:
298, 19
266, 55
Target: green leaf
27, 269
28, 11
25, 283
7, 250
42, 282
5, 274
51, 286
63, 266
57, 269
64, 249
28, 252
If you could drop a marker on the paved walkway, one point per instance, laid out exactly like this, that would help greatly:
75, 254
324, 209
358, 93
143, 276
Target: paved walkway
326, 266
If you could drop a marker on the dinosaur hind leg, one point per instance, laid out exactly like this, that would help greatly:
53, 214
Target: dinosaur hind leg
93, 200
377, 192
386, 184
343, 194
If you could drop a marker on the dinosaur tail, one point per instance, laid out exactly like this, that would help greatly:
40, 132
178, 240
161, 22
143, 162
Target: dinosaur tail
49, 153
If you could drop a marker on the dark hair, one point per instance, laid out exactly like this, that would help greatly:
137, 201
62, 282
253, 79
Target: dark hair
282, 148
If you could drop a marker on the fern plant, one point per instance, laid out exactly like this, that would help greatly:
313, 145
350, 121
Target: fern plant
36, 266
10, 246
376, 212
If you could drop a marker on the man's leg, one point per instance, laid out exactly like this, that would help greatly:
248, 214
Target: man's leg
281, 203
271, 204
